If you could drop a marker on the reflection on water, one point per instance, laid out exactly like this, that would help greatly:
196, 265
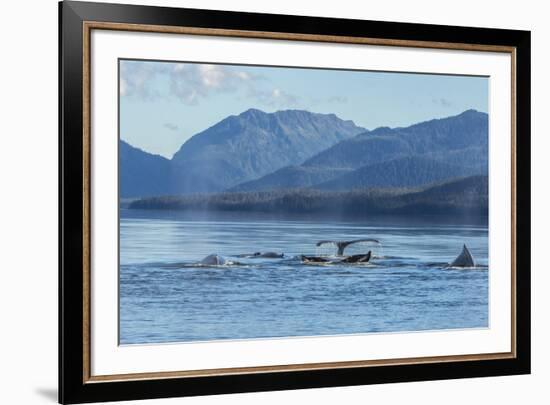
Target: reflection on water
166, 297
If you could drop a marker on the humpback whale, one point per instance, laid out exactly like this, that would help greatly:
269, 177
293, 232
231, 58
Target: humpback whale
361, 258
314, 259
358, 258
342, 245
464, 259
269, 255
340, 257
266, 255
214, 260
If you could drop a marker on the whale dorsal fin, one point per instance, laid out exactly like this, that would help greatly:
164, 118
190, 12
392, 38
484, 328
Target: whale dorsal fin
464, 259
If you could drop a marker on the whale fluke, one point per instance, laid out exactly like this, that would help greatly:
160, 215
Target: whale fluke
341, 245
464, 259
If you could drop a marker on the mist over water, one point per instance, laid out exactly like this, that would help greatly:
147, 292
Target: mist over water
166, 297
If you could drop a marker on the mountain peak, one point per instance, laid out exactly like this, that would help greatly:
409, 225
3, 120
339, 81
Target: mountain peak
305, 113
252, 111
254, 143
471, 111
381, 131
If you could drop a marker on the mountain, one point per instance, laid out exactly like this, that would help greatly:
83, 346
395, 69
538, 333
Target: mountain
455, 145
465, 197
366, 148
410, 171
258, 151
449, 134
292, 177
142, 174
250, 145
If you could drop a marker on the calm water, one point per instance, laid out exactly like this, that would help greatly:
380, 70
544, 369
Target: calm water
166, 297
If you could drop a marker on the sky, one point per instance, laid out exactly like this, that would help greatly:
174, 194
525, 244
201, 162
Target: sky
162, 104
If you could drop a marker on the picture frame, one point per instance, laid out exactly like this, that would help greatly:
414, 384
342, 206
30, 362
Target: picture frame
78, 22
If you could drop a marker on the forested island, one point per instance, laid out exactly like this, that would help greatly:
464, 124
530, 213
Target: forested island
461, 198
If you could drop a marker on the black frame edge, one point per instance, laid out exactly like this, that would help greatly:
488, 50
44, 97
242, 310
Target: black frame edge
523, 199
70, 206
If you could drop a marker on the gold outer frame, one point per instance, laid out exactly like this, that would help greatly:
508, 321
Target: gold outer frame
88, 26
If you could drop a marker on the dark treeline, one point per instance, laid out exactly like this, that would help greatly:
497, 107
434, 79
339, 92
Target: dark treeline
466, 197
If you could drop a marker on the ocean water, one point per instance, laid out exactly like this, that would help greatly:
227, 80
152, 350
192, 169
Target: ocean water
166, 296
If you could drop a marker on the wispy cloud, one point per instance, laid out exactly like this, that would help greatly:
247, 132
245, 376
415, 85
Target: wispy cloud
137, 79
188, 82
330, 100
273, 97
443, 102
191, 83
337, 100
171, 126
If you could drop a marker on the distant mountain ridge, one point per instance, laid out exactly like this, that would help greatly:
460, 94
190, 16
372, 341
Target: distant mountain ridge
257, 151
413, 156
142, 174
410, 171
238, 148
446, 134
253, 144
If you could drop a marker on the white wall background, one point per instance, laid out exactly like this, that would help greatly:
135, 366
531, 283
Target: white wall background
28, 203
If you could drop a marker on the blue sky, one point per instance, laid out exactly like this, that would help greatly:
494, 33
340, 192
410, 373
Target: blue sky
162, 104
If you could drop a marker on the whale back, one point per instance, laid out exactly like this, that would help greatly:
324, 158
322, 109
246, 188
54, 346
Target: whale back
464, 259
271, 255
213, 260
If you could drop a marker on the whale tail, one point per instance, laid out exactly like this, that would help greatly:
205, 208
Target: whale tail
342, 245
464, 259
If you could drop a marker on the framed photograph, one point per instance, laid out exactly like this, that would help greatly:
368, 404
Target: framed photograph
254, 202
